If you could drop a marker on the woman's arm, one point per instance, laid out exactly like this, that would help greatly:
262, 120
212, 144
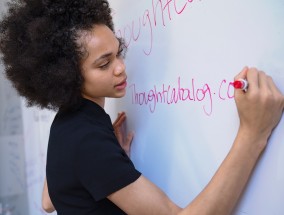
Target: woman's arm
46, 202
260, 110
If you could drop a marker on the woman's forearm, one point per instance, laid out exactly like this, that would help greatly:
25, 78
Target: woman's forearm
223, 191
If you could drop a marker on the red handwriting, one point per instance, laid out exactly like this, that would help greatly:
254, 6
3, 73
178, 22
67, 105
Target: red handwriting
228, 88
142, 27
173, 94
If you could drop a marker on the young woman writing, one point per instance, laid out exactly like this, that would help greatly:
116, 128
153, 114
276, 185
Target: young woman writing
64, 55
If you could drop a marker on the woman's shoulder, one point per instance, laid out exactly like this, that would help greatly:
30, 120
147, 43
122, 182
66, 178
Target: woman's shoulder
88, 120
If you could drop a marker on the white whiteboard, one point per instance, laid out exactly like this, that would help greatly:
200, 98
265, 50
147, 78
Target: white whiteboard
198, 46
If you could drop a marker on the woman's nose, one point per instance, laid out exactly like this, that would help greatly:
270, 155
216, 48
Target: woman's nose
120, 67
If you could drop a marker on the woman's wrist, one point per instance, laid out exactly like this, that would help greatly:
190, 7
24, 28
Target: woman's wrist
252, 141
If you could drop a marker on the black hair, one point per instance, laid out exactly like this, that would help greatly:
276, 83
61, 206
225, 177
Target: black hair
39, 48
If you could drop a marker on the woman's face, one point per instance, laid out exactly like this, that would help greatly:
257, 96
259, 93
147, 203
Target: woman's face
103, 68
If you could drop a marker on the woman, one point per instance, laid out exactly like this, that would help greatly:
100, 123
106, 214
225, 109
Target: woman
63, 55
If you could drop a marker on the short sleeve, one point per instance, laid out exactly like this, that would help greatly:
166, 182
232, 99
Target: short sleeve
102, 165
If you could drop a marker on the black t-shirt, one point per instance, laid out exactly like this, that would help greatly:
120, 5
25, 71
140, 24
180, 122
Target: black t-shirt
85, 162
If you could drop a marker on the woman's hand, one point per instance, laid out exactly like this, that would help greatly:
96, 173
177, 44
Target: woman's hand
261, 107
120, 133
46, 201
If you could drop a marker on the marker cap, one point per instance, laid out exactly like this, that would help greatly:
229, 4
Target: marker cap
241, 84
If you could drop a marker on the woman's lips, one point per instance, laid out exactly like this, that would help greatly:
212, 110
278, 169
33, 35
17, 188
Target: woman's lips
121, 86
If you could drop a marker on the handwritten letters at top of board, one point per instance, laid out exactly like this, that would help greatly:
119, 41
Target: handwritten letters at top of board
162, 27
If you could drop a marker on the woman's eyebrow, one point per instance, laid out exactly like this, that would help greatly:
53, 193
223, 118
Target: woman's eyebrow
107, 54
102, 57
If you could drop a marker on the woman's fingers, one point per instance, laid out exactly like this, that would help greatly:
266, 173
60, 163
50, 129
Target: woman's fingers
120, 119
241, 75
261, 106
120, 132
264, 83
128, 142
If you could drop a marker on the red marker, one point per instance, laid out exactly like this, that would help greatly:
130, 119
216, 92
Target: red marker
241, 84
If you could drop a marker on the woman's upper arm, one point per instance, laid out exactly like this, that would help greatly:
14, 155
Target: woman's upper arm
143, 197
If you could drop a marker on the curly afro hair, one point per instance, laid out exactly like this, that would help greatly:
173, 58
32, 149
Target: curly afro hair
40, 53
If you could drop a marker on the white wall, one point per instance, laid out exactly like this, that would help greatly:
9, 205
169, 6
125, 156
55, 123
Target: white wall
23, 144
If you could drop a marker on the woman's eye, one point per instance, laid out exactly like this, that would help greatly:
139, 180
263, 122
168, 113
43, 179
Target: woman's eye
122, 49
121, 52
104, 66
